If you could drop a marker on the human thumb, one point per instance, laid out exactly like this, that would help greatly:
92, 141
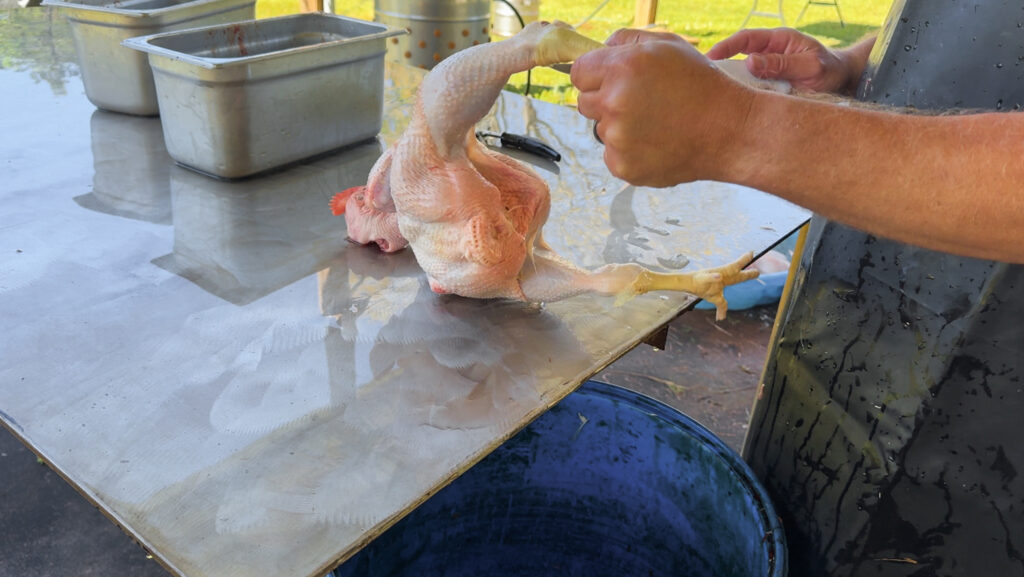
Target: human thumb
792, 67
765, 65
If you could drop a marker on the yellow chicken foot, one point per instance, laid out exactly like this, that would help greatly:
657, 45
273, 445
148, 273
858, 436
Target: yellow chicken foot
553, 278
707, 284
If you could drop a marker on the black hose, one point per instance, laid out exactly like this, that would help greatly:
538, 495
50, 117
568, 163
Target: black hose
522, 24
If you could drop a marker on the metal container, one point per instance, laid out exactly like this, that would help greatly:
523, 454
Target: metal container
119, 79
244, 98
505, 24
608, 482
437, 28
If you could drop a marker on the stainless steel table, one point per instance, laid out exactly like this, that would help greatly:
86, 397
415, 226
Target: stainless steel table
245, 393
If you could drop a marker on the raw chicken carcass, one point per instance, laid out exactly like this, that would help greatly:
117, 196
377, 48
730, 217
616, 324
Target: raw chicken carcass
473, 217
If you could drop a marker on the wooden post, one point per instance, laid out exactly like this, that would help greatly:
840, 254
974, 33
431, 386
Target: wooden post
646, 13
312, 5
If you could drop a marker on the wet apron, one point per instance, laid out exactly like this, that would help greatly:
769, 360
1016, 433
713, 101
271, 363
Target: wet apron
890, 428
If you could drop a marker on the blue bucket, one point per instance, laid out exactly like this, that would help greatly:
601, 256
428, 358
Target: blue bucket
608, 482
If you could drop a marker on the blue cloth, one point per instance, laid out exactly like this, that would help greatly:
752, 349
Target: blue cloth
763, 290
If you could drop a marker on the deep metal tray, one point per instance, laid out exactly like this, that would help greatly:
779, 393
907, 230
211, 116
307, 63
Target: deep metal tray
119, 79
248, 97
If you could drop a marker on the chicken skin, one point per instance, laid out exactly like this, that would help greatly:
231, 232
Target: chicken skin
473, 217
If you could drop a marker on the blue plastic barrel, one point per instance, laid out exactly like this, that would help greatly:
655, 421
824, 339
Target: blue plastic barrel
608, 482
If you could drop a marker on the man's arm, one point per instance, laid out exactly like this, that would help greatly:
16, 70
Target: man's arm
950, 183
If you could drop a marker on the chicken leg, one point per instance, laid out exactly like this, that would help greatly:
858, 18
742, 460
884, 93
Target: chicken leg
553, 278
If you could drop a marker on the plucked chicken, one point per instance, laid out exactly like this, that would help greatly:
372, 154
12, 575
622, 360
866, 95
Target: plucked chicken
473, 217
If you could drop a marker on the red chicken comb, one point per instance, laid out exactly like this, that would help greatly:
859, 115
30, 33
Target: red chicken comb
339, 200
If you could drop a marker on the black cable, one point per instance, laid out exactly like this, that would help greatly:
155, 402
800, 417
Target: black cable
522, 24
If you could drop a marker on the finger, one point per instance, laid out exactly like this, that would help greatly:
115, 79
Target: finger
629, 166
742, 42
791, 67
774, 40
588, 70
625, 36
614, 160
589, 105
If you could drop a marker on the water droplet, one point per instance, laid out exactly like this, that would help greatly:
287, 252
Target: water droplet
999, 64
907, 47
999, 104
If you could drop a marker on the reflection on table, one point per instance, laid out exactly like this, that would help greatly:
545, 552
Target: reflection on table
136, 189
245, 239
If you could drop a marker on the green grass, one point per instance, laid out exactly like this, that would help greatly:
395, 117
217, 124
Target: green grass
706, 21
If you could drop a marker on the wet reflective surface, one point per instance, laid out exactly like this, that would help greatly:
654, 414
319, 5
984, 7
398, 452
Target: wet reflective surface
243, 391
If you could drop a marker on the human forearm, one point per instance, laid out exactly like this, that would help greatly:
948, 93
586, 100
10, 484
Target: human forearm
949, 183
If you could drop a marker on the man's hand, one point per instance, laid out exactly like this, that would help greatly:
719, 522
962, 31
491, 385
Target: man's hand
786, 54
663, 111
